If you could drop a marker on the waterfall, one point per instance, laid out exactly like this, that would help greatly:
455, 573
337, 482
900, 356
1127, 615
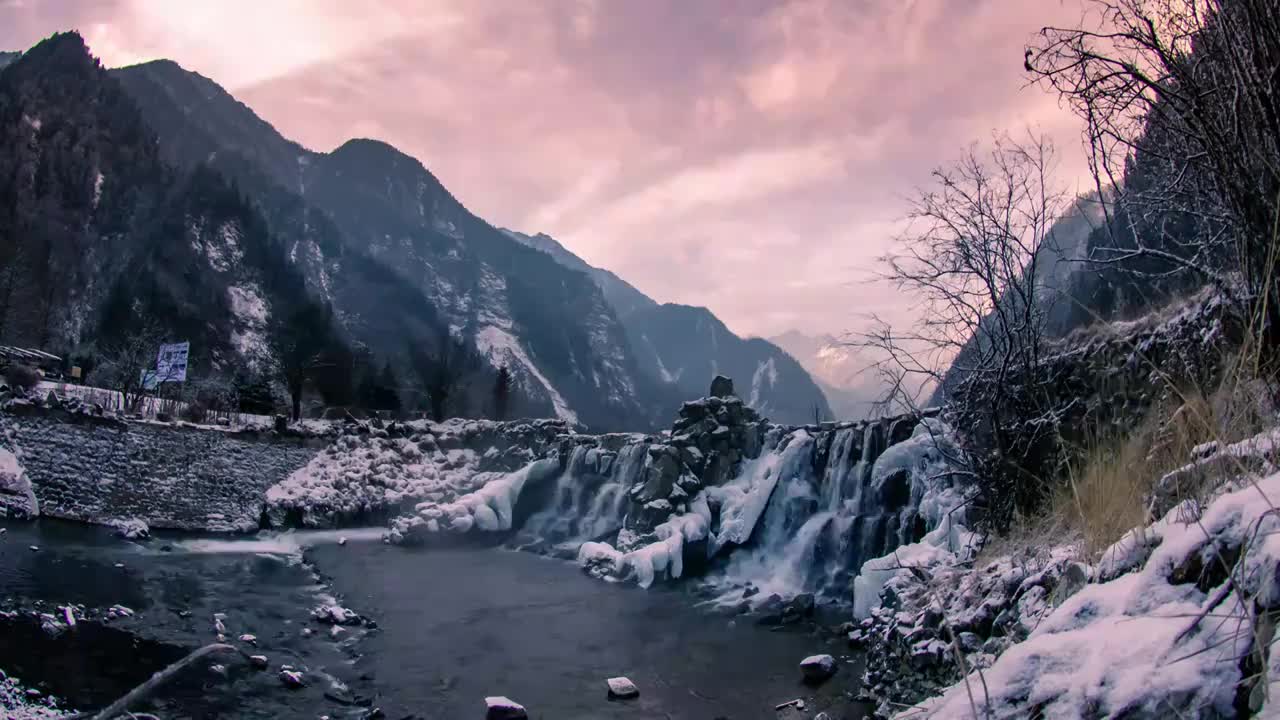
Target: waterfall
588, 500
783, 510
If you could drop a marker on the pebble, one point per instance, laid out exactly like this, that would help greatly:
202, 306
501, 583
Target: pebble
258, 661
342, 541
35, 548
250, 639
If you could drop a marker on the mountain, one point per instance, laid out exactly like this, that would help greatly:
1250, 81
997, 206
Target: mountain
100, 238
620, 294
838, 369
682, 347
378, 236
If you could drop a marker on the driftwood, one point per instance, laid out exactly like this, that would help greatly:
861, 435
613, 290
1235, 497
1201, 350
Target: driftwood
120, 708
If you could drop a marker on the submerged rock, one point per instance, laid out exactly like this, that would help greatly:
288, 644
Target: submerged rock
818, 668
503, 708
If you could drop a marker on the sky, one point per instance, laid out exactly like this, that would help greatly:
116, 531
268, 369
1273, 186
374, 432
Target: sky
752, 156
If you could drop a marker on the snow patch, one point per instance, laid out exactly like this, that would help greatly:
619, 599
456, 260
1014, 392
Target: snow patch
502, 348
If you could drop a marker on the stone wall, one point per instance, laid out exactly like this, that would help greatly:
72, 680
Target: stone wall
96, 469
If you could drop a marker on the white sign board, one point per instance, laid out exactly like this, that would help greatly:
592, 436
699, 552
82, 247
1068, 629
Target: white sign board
171, 363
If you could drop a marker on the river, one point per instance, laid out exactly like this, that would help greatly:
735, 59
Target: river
453, 626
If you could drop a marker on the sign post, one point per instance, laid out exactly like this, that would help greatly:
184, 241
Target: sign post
171, 363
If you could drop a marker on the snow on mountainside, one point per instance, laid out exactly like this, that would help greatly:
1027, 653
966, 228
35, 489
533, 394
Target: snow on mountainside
372, 229
684, 347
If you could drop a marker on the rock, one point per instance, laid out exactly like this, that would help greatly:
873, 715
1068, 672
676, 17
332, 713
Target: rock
502, 708
132, 529
801, 606
291, 679
342, 540
17, 497
258, 661
35, 548
622, 688
218, 670
249, 639
818, 668
721, 387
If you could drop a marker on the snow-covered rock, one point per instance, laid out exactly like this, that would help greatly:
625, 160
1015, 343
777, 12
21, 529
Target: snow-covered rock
1189, 627
132, 529
503, 708
17, 497
372, 471
622, 688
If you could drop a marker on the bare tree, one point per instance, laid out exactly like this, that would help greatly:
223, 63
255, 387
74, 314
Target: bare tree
124, 363
968, 256
1181, 104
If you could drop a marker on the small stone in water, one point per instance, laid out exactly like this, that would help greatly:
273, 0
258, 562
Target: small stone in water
291, 678
622, 688
342, 541
119, 565
218, 670
250, 639
258, 661
35, 548
306, 632
502, 708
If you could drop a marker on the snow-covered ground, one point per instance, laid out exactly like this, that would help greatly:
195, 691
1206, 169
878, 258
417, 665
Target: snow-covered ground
374, 471
1177, 619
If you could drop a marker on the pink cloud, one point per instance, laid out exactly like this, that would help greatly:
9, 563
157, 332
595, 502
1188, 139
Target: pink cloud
751, 157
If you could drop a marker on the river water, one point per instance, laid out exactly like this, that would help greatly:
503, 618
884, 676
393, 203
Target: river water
453, 626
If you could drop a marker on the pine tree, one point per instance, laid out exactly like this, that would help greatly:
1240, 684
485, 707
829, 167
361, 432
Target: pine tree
501, 393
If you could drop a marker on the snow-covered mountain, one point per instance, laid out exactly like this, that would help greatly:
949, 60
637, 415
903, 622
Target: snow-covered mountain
682, 347
378, 236
839, 369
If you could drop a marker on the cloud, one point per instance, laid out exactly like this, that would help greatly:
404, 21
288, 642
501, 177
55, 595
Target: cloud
752, 157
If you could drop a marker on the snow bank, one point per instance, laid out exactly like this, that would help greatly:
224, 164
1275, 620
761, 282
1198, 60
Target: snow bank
1170, 634
379, 471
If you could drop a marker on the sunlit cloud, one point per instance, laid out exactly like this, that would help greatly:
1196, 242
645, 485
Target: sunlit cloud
752, 157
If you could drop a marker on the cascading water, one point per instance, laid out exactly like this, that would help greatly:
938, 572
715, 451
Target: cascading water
785, 510
588, 501
835, 505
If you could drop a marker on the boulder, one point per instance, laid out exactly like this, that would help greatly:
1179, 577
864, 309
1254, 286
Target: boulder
502, 708
621, 688
818, 668
132, 529
721, 387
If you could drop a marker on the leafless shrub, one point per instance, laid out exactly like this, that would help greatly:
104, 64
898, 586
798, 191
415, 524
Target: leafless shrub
968, 257
22, 377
